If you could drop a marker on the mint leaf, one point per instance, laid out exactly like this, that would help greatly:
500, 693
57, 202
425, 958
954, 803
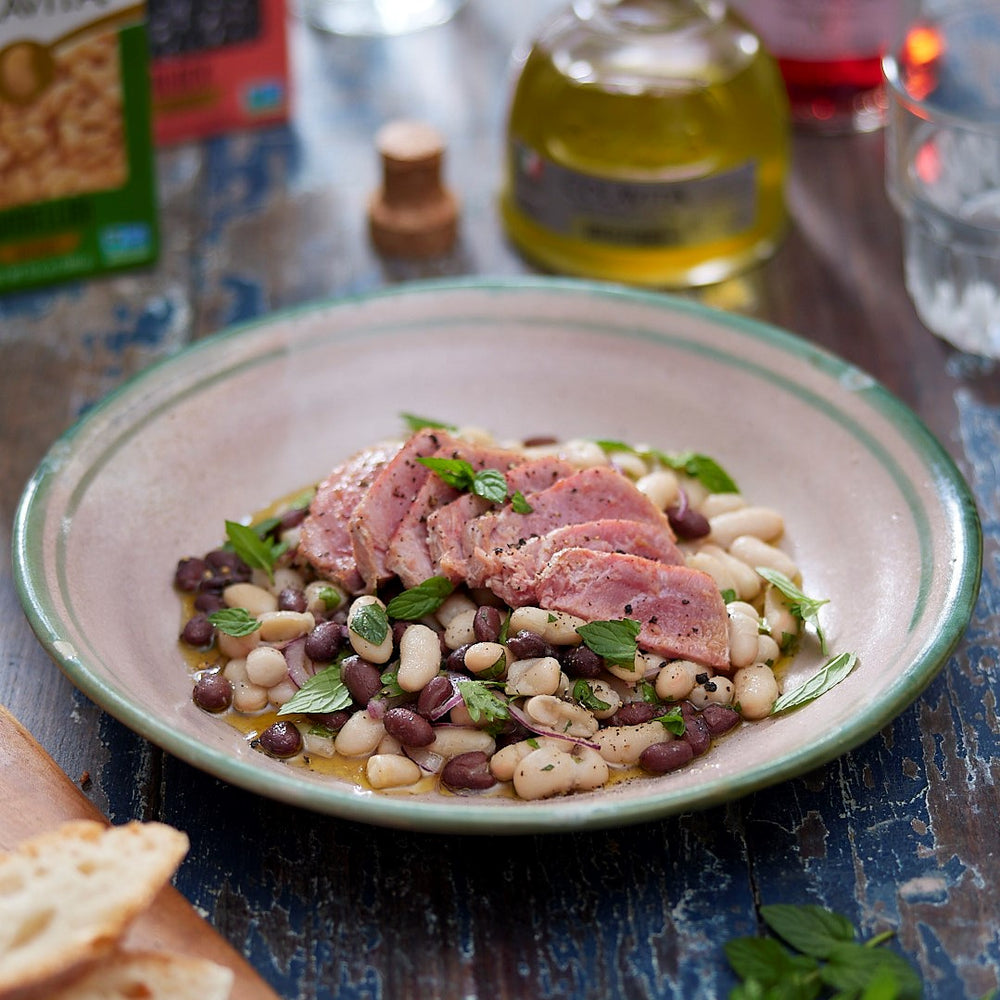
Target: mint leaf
852, 967
765, 961
672, 721
371, 622
829, 676
584, 694
255, 551
236, 622
810, 929
616, 641
519, 504
482, 702
423, 599
418, 423
331, 597
323, 693
806, 609
490, 484
706, 470
390, 682
455, 472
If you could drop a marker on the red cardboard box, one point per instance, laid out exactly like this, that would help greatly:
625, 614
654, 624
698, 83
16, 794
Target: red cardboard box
217, 66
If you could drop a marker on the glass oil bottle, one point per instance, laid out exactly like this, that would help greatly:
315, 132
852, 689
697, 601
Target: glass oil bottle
647, 143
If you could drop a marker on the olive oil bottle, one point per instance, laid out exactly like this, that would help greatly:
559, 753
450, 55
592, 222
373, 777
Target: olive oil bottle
647, 143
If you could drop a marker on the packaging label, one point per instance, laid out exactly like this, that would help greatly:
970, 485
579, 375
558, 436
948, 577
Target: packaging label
665, 213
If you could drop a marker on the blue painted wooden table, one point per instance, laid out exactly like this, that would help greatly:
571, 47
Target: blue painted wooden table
900, 834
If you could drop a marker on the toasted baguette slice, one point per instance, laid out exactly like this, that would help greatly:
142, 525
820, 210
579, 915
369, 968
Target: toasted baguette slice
126, 975
67, 896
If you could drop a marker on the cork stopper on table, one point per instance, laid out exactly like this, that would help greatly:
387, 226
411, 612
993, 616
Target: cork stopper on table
412, 214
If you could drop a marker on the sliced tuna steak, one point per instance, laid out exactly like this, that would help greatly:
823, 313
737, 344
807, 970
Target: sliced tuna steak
409, 556
512, 572
325, 542
680, 610
375, 519
447, 528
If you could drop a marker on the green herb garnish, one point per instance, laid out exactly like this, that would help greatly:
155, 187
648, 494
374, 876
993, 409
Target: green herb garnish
672, 721
423, 599
390, 682
255, 551
706, 470
331, 597
236, 622
371, 622
482, 702
616, 641
584, 694
490, 484
806, 609
418, 423
323, 693
818, 955
829, 676
519, 504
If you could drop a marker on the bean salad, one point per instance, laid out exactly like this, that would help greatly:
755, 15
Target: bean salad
439, 683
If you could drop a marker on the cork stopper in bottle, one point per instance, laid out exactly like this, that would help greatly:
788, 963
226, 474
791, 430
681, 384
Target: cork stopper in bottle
412, 214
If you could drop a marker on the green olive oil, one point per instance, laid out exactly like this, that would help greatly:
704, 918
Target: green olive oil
648, 143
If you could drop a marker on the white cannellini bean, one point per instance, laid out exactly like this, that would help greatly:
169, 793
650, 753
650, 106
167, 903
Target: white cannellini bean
628, 462
629, 675
746, 583
359, 736
767, 649
236, 670
282, 692
318, 745
761, 522
721, 503
660, 487
236, 646
591, 771
266, 666
716, 690
391, 771
624, 744
367, 650
388, 745
282, 626
561, 716
504, 762
715, 568
783, 625
583, 454
450, 741
285, 578
603, 691
543, 773
323, 597
254, 599
486, 656
675, 680
452, 605
460, 629
753, 552
537, 675
419, 657
528, 619
561, 628
249, 697
755, 691
743, 635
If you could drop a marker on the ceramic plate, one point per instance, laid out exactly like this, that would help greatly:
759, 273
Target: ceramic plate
877, 516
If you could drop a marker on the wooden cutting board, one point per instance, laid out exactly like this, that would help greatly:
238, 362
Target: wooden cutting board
38, 796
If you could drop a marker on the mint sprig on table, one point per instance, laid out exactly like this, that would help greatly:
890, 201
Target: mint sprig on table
816, 953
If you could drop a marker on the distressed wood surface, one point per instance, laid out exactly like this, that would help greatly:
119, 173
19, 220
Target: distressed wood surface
902, 833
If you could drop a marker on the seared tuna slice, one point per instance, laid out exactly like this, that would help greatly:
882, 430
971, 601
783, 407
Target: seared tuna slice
680, 610
325, 542
409, 556
447, 528
591, 495
375, 519
512, 572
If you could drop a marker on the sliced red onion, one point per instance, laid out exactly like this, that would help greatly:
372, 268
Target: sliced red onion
519, 715
426, 760
300, 667
453, 701
376, 708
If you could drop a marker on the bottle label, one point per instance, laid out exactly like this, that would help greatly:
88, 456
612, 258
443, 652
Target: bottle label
823, 30
630, 213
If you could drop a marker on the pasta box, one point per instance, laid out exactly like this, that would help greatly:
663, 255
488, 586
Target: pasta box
77, 177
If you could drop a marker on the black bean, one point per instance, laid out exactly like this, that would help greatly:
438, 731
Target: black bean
361, 678
410, 729
213, 693
526, 645
398, 628
282, 739
198, 631
468, 771
434, 694
455, 660
688, 523
720, 718
635, 713
189, 573
292, 599
323, 642
292, 518
333, 721
487, 624
225, 559
539, 440
581, 661
696, 732
663, 757
209, 601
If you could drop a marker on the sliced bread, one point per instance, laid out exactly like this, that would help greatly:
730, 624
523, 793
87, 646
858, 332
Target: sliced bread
67, 896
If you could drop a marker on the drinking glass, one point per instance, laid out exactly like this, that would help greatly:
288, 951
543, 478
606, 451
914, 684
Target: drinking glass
378, 17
